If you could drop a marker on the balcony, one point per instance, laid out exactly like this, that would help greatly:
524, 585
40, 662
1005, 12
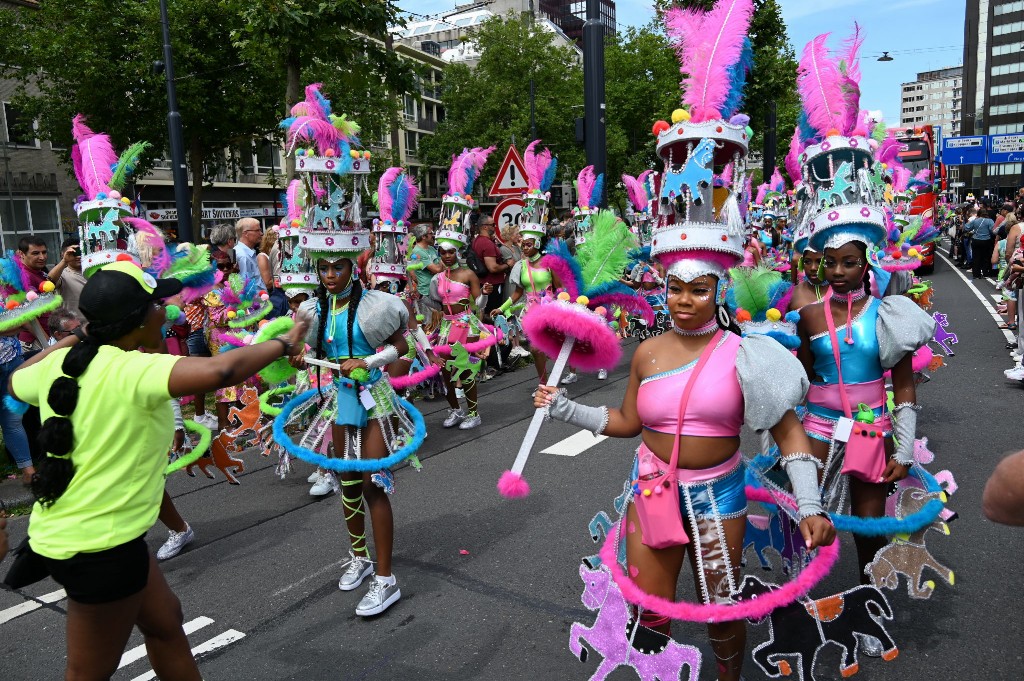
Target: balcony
426, 125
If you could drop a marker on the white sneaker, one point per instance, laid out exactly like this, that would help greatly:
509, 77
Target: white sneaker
359, 568
518, 351
1017, 375
471, 421
602, 374
1012, 370
176, 541
324, 485
314, 476
208, 421
455, 417
379, 598
569, 379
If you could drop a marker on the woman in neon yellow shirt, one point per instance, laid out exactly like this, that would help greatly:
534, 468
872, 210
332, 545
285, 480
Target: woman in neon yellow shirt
107, 424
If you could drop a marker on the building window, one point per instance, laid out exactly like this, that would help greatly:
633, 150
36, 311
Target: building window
19, 128
1007, 69
410, 109
999, 50
30, 216
1007, 7
411, 138
268, 157
1015, 27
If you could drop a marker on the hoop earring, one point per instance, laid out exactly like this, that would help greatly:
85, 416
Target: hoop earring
722, 313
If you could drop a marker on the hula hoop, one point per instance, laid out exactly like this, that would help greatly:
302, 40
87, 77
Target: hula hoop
757, 608
266, 407
205, 437
885, 525
415, 378
347, 465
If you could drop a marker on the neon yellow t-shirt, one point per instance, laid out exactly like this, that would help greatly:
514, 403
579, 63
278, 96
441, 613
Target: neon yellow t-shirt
123, 427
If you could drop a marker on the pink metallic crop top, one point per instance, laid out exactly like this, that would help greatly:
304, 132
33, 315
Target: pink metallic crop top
452, 292
716, 405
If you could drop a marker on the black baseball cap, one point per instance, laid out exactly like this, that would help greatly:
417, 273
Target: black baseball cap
120, 289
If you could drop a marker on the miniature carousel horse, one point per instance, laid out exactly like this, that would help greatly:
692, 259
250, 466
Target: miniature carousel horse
617, 637
800, 631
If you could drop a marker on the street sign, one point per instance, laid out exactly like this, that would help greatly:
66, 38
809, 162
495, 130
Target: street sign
961, 151
508, 213
1006, 148
511, 179
954, 185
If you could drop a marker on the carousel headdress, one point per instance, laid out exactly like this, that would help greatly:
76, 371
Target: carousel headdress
102, 175
589, 191
331, 225
692, 237
540, 175
838, 164
396, 198
297, 272
458, 202
640, 192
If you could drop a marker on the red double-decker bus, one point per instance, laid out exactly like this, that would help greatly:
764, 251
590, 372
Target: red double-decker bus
917, 154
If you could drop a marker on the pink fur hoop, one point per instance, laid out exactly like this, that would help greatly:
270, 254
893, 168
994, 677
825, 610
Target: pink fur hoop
754, 609
596, 346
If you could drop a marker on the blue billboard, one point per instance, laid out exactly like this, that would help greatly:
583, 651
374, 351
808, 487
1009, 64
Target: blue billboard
962, 151
1006, 148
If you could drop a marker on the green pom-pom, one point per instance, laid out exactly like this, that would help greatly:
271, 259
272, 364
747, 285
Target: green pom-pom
360, 375
279, 370
173, 313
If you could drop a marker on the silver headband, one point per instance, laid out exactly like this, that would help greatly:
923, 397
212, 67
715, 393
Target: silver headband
840, 237
689, 269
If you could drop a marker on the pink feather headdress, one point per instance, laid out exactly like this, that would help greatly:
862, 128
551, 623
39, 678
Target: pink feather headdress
821, 89
636, 190
762, 192
792, 160
396, 195
466, 168
537, 164
708, 45
585, 187
92, 157
310, 121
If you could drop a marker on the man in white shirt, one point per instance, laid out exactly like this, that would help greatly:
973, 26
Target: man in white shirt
67, 273
249, 234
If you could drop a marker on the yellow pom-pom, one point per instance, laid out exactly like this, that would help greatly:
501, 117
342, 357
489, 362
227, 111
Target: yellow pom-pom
773, 315
126, 201
232, 314
913, 253
680, 116
353, 153
563, 296
885, 166
46, 287
583, 300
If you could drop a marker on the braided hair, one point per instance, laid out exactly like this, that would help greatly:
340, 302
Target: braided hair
325, 312
57, 436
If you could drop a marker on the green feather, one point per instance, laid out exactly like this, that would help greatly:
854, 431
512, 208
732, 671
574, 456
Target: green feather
878, 133
752, 287
129, 159
605, 254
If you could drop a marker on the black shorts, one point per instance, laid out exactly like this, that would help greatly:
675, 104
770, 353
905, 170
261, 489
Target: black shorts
103, 576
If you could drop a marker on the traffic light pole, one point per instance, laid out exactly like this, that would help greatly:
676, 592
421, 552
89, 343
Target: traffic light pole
176, 139
593, 89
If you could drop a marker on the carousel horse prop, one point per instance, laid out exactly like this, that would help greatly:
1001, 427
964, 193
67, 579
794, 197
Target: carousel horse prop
621, 641
799, 631
245, 430
943, 338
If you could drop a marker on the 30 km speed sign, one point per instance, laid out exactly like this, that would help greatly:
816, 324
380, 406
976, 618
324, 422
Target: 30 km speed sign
507, 214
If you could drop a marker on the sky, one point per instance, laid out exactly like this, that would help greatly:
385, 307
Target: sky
920, 35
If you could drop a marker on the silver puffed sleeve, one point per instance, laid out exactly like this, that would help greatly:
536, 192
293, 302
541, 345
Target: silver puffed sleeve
311, 310
515, 276
379, 315
902, 328
773, 381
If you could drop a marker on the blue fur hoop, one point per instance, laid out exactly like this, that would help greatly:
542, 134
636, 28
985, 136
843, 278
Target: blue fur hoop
347, 465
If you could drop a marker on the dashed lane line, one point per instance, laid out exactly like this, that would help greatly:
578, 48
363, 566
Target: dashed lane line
575, 445
981, 296
16, 611
139, 652
215, 643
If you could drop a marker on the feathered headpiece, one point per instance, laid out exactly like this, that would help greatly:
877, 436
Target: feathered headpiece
759, 298
714, 54
540, 167
458, 203
21, 303
589, 189
396, 196
829, 86
792, 161
332, 137
637, 191
465, 169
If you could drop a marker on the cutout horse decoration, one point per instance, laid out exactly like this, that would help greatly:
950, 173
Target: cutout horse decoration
621, 641
245, 431
695, 174
601, 525
799, 631
942, 337
106, 231
907, 554
772, 534
924, 456
841, 183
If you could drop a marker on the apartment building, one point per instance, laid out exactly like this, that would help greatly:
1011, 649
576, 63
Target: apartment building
933, 99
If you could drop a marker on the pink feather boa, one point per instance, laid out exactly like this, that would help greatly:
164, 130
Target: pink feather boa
563, 271
634, 305
755, 609
475, 346
596, 346
415, 378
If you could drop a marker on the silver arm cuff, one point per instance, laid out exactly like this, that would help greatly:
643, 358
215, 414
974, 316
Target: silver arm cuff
179, 423
421, 338
594, 419
386, 356
802, 470
905, 430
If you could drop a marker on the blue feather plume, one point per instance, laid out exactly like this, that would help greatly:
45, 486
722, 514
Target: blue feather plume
598, 191
470, 179
322, 101
807, 131
400, 196
559, 249
638, 256
738, 79
10, 273
549, 175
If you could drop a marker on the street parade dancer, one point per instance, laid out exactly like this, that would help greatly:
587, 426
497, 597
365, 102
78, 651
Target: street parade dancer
688, 474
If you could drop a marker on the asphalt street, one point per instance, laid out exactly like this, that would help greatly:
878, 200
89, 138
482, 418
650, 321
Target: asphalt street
491, 587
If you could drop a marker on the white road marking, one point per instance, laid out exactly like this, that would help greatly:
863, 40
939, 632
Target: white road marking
139, 652
28, 606
981, 296
575, 444
219, 641
990, 280
305, 579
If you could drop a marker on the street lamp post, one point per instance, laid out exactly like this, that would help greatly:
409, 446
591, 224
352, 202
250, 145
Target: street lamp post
593, 89
175, 137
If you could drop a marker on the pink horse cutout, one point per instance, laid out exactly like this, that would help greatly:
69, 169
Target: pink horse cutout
621, 642
923, 456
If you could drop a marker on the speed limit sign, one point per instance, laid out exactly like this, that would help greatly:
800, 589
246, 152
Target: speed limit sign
508, 213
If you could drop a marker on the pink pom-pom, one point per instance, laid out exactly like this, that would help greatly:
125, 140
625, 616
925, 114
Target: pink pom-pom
114, 195
31, 295
513, 486
264, 296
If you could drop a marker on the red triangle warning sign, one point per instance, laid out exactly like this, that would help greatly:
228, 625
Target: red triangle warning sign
511, 179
